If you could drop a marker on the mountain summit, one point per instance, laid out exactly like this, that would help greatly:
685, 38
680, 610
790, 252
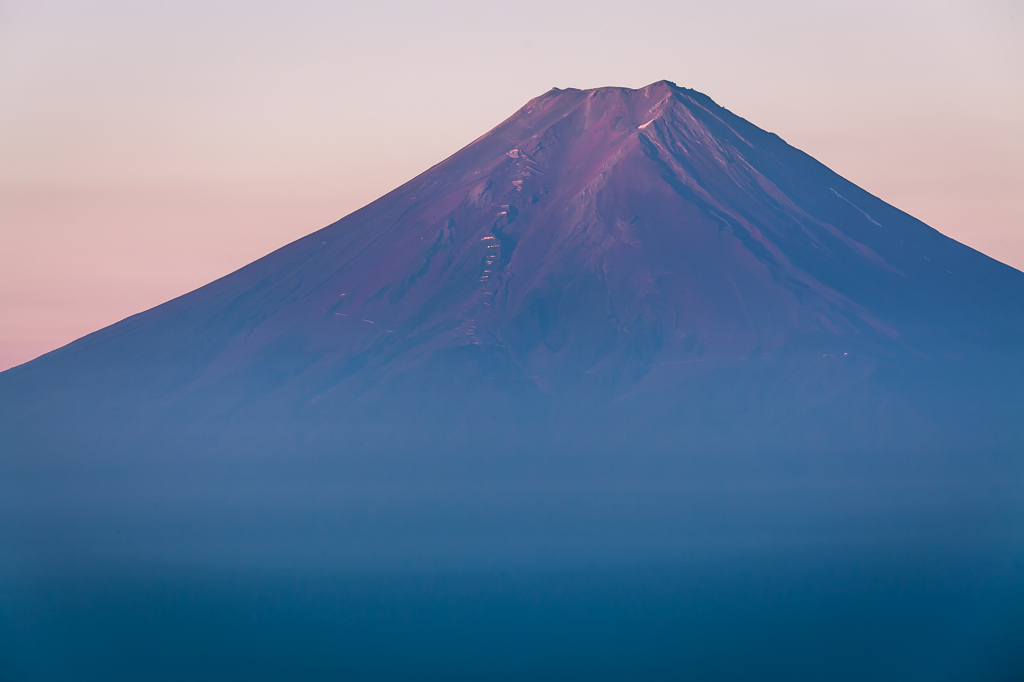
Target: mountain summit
606, 269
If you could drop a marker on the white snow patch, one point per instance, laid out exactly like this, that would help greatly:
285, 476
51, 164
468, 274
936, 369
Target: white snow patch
856, 207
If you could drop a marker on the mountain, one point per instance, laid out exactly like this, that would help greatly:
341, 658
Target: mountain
626, 388
612, 266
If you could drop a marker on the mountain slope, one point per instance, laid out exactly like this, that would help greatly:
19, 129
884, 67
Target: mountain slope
608, 268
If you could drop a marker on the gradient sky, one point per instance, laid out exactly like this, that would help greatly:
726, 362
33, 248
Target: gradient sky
149, 148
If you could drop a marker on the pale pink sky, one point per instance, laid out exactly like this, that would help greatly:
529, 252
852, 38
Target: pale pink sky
147, 150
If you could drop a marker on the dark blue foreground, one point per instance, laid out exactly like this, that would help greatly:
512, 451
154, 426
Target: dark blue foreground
651, 580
